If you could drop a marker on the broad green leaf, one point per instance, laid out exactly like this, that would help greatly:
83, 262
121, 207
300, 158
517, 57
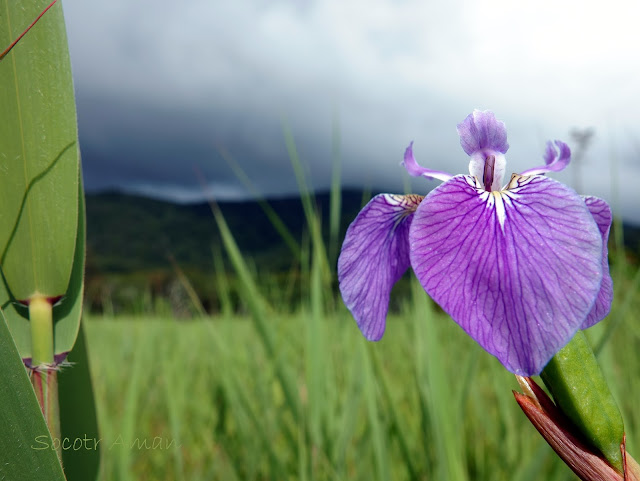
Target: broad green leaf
66, 315
78, 420
38, 152
25, 444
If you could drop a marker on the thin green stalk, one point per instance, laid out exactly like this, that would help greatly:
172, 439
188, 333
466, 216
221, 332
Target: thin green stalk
188, 287
618, 227
44, 377
437, 388
375, 423
394, 419
335, 200
41, 318
258, 308
308, 204
271, 214
366, 196
222, 283
620, 312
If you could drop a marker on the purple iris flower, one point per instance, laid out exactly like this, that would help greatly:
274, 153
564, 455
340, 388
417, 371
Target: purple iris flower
520, 267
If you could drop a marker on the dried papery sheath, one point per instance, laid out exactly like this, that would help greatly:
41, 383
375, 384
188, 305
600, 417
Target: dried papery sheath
567, 441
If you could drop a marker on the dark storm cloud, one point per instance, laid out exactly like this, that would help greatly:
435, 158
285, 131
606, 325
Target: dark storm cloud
161, 86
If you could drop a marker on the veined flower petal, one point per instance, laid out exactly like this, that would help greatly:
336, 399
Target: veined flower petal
555, 160
416, 170
518, 270
481, 131
602, 215
374, 255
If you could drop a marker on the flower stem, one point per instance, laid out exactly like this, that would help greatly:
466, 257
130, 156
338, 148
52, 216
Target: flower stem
41, 319
44, 376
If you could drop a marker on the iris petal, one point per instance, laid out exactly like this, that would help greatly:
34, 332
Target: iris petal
602, 215
555, 160
481, 131
416, 170
374, 255
518, 270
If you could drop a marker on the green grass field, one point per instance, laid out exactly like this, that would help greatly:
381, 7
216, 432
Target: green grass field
309, 398
281, 385
272, 395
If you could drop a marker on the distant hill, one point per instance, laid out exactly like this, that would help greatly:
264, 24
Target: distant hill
131, 239
128, 233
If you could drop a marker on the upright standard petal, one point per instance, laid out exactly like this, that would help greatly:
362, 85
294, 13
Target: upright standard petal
518, 270
602, 215
374, 255
482, 132
555, 160
416, 170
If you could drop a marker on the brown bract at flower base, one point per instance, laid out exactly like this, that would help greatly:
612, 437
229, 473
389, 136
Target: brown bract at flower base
584, 460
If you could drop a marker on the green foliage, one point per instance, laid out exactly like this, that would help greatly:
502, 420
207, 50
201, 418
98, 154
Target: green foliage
78, 419
360, 409
38, 134
127, 233
130, 239
66, 315
579, 388
42, 240
42, 223
293, 391
25, 444
304, 396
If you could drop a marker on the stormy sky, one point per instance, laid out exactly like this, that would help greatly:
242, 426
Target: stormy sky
164, 87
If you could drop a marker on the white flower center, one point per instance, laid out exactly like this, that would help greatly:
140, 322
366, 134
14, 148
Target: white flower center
489, 168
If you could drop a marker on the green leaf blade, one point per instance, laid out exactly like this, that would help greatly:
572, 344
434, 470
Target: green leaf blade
78, 418
25, 445
40, 159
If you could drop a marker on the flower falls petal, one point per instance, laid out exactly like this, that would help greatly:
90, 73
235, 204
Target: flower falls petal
518, 270
374, 255
602, 215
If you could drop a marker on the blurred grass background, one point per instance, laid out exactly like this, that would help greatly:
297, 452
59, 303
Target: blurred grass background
251, 368
265, 389
317, 401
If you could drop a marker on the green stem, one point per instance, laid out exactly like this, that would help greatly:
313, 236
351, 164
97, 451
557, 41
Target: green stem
579, 389
41, 319
44, 376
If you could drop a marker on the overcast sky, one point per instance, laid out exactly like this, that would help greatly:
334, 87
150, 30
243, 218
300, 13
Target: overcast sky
163, 86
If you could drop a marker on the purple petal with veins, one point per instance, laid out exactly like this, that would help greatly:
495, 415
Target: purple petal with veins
602, 215
482, 132
374, 255
518, 270
416, 170
555, 159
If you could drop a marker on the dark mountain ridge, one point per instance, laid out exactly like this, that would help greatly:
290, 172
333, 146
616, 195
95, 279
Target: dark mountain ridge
127, 232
